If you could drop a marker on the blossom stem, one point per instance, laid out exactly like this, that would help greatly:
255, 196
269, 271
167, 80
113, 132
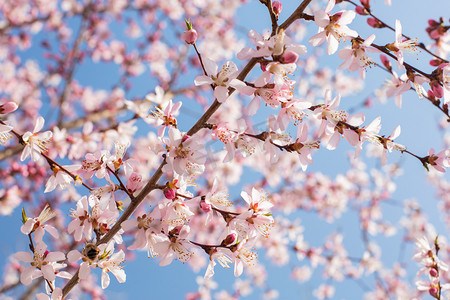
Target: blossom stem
273, 17
122, 186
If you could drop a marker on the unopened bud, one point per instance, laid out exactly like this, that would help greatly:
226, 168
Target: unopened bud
169, 193
437, 89
361, 10
289, 57
365, 3
206, 207
8, 107
433, 272
230, 239
435, 62
385, 61
190, 36
277, 7
375, 23
433, 291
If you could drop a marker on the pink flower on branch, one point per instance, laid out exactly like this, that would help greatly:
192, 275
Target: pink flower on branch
35, 142
332, 28
221, 80
43, 263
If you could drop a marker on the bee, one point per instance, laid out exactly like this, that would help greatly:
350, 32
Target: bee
91, 251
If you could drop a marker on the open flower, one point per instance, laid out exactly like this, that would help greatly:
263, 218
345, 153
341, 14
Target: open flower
113, 264
4, 133
38, 224
356, 57
400, 44
332, 28
35, 141
42, 263
221, 80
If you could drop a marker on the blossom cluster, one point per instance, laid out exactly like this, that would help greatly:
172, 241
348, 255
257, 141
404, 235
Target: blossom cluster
117, 170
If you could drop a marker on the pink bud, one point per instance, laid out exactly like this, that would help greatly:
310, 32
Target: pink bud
263, 66
169, 193
277, 7
206, 207
437, 89
8, 107
433, 272
289, 57
433, 291
433, 23
435, 62
374, 23
385, 61
365, 3
190, 36
134, 182
230, 239
361, 11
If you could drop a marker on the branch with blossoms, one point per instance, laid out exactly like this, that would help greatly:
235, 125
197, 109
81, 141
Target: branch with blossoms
157, 175
436, 30
175, 219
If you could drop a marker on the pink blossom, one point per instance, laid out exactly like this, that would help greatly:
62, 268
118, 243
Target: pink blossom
165, 117
43, 263
60, 178
5, 133
8, 107
183, 150
190, 36
396, 87
221, 80
38, 225
439, 161
175, 247
277, 7
400, 44
356, 57
35, 142
113, 264
56, 295
332, 28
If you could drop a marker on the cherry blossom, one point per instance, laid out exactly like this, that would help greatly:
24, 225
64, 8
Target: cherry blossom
400, 44
221, 80
35, 142
43, 263
332, 28
38, 225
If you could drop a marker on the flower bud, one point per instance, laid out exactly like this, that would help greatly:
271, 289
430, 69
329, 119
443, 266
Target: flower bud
437, 89
433, 272
169, 193
374, 23
385, 61
361, 11
206, 207
433, 291
277, 7
365, 3
289, 57
134, 182
230, 239
190, 36
8, 107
